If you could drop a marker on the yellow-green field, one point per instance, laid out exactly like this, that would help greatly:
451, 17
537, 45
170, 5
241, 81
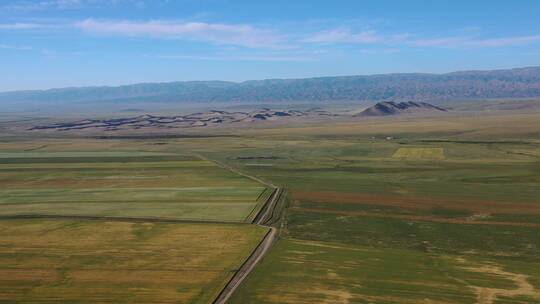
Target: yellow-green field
419, 153
63, 261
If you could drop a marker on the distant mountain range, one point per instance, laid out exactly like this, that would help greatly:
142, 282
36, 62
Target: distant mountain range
396, 108
513, 83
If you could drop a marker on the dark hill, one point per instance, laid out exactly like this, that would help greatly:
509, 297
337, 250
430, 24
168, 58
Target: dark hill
393, 108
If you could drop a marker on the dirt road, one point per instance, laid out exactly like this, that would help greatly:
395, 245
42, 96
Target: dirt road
263, 219
256, 256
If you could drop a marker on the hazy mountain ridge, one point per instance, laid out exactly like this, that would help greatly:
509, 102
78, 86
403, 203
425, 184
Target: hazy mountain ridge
513, 83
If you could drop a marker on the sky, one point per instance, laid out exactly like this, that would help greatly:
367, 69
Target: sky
64, 43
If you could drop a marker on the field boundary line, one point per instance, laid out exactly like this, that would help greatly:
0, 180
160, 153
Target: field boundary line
114, 219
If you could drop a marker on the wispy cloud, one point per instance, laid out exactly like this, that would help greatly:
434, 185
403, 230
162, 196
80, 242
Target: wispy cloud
55, 54
271, 58
31, 5
350, 37
507, 41
475, 42
20, 26
219, 33
43, 4
372, 37
271, 36
15, 47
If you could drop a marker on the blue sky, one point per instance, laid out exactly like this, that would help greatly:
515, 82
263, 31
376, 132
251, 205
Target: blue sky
59, 43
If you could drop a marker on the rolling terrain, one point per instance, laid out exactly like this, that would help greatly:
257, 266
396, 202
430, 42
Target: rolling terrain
210, 118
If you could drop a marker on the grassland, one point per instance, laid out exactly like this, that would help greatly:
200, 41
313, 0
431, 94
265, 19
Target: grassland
119, 262
360, 225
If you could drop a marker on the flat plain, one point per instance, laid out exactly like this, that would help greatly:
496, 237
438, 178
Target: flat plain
360, 225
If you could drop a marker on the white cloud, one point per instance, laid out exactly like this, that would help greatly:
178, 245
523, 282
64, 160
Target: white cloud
227, 34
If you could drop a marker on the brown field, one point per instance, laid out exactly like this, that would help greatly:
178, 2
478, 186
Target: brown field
417, 203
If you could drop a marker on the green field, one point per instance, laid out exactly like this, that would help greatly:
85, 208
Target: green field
299, 271
149, 185
49, 261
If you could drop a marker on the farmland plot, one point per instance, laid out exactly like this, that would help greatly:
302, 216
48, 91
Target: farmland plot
123, 185
419, 153
43, 261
